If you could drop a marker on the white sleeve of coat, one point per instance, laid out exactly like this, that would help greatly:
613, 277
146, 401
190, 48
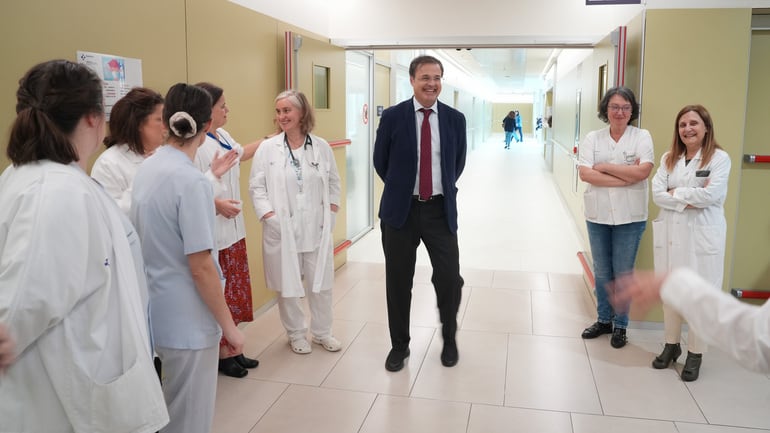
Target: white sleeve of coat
216, 184
258, 183
113, 180
335, 188
716, 191
742, 330
44, 257
660, 194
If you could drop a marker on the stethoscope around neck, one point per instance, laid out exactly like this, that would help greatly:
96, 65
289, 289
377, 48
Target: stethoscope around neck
294, 160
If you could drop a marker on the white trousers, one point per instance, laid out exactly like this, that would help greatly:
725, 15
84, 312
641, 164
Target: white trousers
293, 315
672, 322
189, 380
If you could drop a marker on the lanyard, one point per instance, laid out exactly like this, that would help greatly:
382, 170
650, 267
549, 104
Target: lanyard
224, 144
295, 162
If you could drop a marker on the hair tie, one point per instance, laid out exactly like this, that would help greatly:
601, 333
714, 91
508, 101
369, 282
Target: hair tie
179, 115
32, 105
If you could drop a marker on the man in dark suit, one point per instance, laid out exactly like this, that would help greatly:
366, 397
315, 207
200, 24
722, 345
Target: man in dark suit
419, 153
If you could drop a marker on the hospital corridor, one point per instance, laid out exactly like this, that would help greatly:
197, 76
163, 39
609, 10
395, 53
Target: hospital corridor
523, 366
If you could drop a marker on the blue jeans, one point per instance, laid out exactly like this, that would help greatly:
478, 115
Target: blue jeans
613, 248
508, 138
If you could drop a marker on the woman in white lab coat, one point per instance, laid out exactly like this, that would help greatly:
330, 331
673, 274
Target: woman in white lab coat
690, 188
231, 228
136, 130
69, 290
295, 188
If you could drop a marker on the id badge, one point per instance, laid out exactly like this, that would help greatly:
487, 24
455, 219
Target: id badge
301, 201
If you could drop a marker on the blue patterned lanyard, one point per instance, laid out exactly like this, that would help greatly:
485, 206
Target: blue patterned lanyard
224, 144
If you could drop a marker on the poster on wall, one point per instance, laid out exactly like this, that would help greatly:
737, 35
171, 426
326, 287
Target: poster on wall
118, 74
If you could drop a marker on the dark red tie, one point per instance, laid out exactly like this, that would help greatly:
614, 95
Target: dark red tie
426, 184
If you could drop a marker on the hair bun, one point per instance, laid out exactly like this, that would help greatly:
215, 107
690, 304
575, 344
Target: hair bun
182, 125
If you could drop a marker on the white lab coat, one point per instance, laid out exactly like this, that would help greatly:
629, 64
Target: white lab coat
740, 329
115, 169
70, 296
691, 237
229, 231
267, 185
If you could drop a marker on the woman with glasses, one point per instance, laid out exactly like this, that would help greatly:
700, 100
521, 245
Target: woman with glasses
296, 193
690, 188
231, 228
615, 162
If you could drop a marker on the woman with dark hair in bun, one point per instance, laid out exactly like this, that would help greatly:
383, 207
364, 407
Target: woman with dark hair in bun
173, 210
136, 131
69, 290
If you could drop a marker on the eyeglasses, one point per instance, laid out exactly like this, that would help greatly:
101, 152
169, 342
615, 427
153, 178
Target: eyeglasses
428, 79
623, 108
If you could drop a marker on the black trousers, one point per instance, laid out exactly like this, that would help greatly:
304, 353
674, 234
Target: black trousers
426, 223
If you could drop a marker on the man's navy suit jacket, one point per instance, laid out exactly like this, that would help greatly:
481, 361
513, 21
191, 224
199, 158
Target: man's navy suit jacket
395, 160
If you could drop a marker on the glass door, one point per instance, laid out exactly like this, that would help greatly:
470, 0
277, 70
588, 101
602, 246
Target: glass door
359, 155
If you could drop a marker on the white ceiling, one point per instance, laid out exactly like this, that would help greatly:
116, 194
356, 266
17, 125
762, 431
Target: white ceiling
509, 70
491, 27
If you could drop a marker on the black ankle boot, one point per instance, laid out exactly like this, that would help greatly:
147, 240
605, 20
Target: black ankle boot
691, 368
669, 355
230, 367
246, 362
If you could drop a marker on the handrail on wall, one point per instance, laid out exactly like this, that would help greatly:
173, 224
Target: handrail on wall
586, 268
752, 158
750, 294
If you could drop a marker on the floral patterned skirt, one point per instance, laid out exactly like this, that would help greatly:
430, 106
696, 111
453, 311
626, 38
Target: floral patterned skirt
235, 267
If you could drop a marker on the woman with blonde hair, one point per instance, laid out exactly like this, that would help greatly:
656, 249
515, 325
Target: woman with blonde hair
295, 188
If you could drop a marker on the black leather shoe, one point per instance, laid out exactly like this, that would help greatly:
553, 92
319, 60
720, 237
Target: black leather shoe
597, 329
395, 360
669, 355
230, 367
618, 339
691, 369
449, 355
158, 367
246, 362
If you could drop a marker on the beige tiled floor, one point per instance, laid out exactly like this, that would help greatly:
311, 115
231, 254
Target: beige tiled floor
523, 366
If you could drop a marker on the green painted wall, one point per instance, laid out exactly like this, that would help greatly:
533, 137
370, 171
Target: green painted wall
751, 260
181, 41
